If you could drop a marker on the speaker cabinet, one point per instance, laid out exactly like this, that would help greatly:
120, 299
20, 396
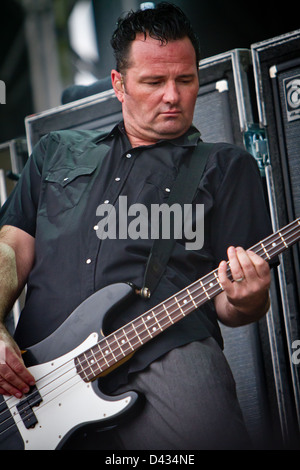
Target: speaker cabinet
277, 77
224, 106
226, 110
100, 111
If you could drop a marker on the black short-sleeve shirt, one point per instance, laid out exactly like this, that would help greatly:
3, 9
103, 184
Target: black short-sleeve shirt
71, 173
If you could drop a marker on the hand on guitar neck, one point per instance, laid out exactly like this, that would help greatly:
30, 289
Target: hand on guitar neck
247, 298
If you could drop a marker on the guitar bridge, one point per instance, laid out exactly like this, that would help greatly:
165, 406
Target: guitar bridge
25, 407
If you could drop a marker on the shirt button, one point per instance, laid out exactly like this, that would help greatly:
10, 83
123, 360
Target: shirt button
128, 155
88, 261
96, 227
167, 190
106, 202
117, 179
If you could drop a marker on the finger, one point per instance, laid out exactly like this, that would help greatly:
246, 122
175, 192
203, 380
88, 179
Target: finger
6, 383
235, 264
261, 266
15, 379
223, 276
246, 263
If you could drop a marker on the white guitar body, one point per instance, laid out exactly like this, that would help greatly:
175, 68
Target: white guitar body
72, 402
63, 401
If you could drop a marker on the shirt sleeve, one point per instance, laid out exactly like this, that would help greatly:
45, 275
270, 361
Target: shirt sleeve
240, 215
20, 209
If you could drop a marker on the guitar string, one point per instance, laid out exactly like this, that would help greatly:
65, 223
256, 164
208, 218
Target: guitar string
129, 341
64, 390
116, 340
175, 319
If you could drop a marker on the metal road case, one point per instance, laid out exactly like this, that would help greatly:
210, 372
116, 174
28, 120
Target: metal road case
225, 107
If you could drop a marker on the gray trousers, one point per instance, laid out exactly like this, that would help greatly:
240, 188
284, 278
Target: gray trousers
190, 404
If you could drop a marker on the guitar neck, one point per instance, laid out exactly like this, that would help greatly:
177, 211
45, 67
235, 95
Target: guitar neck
121, 344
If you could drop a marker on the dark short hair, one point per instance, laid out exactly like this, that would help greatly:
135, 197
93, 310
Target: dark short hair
165, 22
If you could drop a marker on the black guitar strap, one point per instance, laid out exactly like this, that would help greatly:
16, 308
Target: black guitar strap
183, 192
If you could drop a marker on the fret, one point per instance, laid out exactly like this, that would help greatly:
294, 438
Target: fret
283, 240
128, 340
96, 354
95, 366
184, 303
131, 335
218, 280
141, 330
123, 342
265, 251
137, 335
120, 347
154, 323
149, 319
84, 368
83, 371
147, 327
109, 350
194, 303
104, 353
170, 318
202, 285
157, 322
90, 363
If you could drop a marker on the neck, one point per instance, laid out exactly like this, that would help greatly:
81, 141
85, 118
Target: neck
137, 141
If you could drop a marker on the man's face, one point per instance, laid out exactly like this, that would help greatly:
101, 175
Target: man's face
159, 90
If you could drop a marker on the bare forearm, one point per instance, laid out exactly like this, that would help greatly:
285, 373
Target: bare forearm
231, 316
16, 261
9, 283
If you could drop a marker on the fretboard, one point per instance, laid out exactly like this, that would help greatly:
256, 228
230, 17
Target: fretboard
121, 344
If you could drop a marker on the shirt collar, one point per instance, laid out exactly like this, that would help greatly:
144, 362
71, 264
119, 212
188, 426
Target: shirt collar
188, 139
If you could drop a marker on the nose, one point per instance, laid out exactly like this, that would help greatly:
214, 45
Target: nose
171, 93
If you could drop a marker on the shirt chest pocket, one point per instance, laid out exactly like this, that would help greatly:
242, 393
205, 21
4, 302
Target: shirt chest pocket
156, 189
63, 189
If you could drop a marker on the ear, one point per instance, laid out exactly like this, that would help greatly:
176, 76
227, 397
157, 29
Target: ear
117, 83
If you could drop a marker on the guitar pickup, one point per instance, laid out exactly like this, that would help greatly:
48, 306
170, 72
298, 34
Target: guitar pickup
25, 407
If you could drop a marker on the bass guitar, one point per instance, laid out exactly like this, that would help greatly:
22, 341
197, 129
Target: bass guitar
66, 395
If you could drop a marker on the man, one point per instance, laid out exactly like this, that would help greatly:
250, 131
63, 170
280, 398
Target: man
48, 240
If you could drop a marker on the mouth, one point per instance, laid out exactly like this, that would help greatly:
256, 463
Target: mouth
171, 113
